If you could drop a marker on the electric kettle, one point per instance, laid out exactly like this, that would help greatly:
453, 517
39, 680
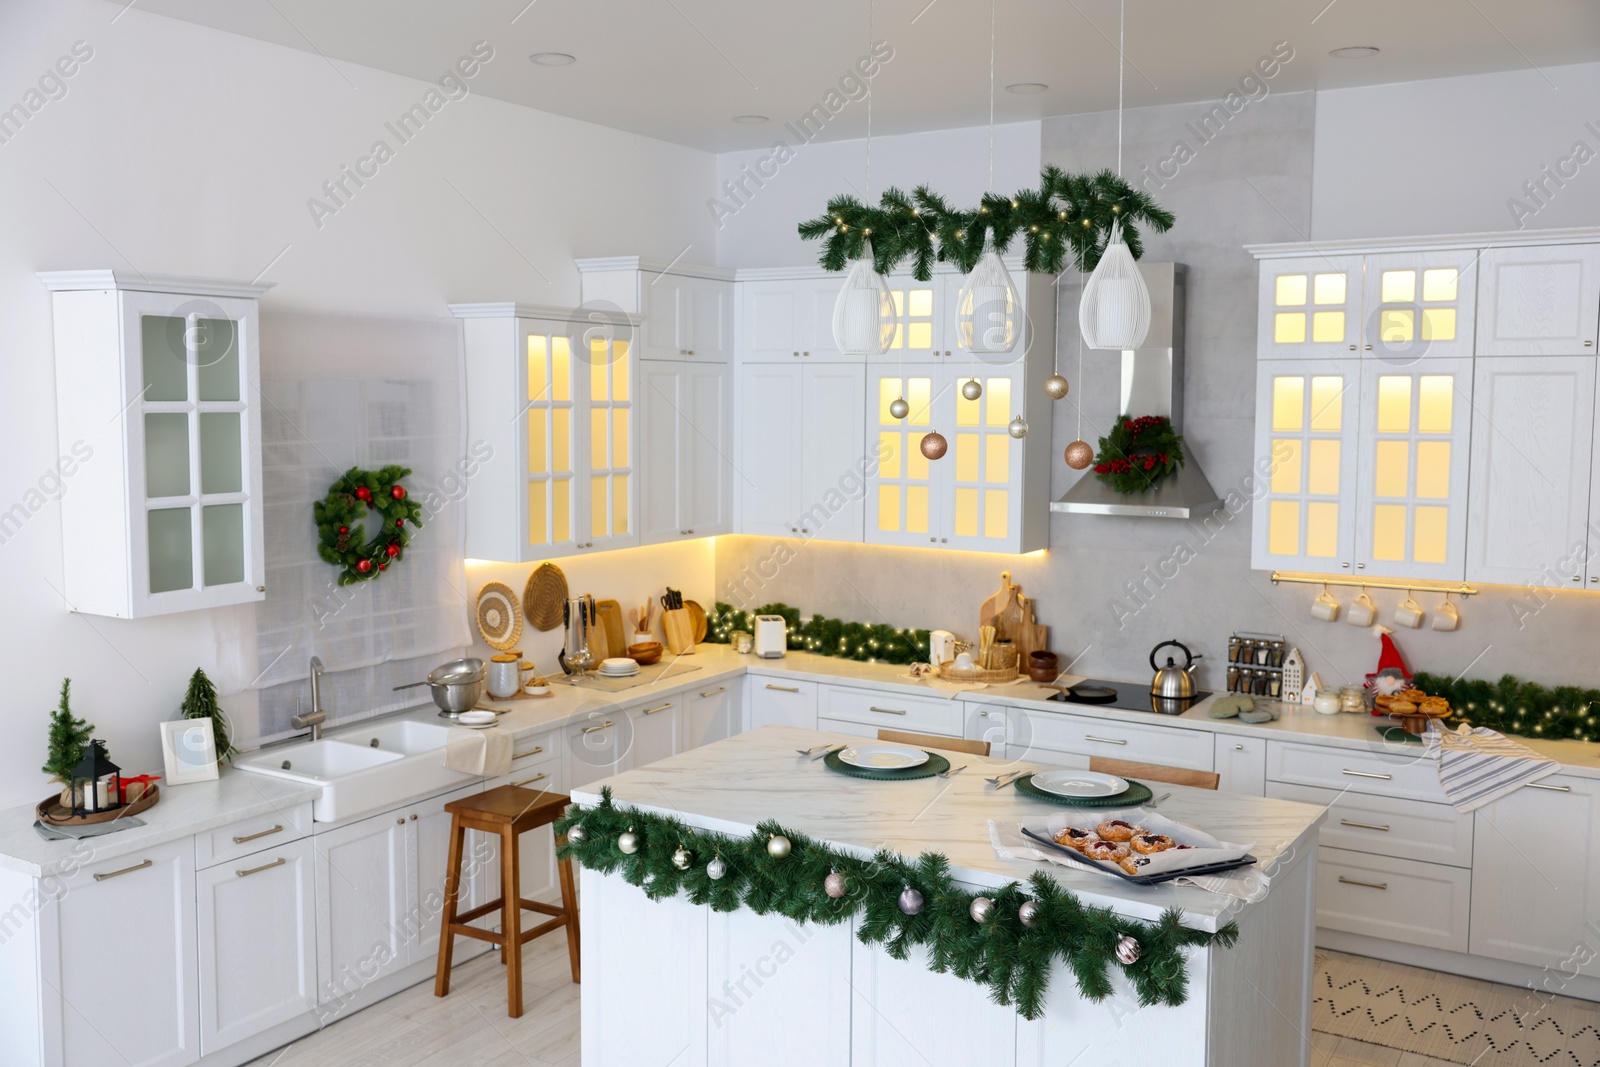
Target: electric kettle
1173, 682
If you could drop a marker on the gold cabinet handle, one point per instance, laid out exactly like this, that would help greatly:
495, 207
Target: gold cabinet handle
279, 862
885, 711
534, 751
1364, 825
1367, 774
784, 688
592, 729
1363, 885
265, 833
714, 692
125, 870
529, 781
1551, 788
658, 707
1238, 748
1106, 740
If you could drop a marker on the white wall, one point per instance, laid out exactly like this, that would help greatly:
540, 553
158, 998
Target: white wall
760, 232
1448, 155
179, 149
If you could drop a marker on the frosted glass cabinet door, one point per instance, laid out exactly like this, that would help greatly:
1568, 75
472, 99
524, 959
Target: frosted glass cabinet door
549, 445
902, 500
1539, 301
981, 490
1310, 308
605, 416
1420, 305
919, 335
1307, 422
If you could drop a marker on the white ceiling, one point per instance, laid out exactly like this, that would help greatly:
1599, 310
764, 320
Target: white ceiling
681, 69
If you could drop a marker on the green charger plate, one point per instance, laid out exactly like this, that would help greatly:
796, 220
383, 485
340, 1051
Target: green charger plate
936, 764
1136, 793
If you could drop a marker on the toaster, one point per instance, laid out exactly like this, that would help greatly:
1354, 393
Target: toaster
772, 636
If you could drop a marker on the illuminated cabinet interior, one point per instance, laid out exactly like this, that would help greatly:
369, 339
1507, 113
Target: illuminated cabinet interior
1420, 304
159, 419
1307, 428
1310, 308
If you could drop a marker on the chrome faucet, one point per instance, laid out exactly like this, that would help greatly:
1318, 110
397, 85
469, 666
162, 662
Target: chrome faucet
313, 721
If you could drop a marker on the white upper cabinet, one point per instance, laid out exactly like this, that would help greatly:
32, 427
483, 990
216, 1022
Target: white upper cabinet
920, 319
159, 426
1539, 301
1419, 304
687, 477
801, 457
788, 319
686, 312
1309, 307
771, 421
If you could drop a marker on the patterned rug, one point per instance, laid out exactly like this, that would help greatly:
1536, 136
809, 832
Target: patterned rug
1456, 1019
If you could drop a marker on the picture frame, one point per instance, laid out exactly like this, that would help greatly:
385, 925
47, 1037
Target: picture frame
189, 751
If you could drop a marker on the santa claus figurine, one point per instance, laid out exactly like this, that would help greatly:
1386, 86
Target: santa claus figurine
1391, 677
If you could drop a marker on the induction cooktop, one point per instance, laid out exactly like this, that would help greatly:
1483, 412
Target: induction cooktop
1128, 696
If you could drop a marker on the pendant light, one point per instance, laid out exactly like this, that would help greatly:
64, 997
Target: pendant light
1114, 312
863, 316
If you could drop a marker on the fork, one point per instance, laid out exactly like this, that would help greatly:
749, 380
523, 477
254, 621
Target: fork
1000, 781
812, 751
946, 773
826, 749
1158, 800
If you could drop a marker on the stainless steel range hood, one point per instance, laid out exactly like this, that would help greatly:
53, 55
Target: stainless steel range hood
1152, 384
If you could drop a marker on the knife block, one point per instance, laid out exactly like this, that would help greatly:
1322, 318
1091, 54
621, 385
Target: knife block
678, 628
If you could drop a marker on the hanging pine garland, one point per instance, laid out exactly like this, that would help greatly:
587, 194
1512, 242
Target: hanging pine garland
899, 903
1512, 706
1138, 453
1068, 214
866, 642
341, 516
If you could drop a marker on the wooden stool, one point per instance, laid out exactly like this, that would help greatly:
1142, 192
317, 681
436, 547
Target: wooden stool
509, 812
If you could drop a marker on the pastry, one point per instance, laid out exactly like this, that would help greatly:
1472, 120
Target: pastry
1436, 707
1117, 830
1073, 837
1134, 864
1383, 700
1148, 843
1416, 696
1101, 849
1398, 707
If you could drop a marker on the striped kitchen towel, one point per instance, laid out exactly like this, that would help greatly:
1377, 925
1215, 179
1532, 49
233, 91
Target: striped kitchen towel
1478, 765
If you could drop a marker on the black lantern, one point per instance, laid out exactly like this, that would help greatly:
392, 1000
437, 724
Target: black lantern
96, 782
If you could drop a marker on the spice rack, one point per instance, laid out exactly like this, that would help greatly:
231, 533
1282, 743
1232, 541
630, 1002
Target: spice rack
1255, 664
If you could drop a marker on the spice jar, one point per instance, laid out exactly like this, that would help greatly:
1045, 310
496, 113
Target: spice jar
741, 641
1326, 702
1353, 699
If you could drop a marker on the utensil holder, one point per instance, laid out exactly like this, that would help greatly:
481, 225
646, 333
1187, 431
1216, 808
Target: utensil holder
679, 630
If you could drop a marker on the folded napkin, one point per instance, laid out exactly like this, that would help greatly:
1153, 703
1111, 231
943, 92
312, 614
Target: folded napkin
485, 752
1478, 765
1243, 883
81, 830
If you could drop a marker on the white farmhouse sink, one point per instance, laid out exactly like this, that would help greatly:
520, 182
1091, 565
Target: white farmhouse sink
357, 778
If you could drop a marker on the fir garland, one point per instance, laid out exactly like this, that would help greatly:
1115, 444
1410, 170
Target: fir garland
1068, 213
1138, 453
1000, 952
341, 536
1512, 706
866, 642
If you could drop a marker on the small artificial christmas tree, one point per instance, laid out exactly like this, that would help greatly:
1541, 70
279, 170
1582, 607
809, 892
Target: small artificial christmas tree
69, 737
200, 702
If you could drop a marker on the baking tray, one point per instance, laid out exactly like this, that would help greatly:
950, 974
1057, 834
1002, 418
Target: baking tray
1139, 879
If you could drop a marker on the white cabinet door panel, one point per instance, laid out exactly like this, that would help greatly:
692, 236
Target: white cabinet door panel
768, 975
427, 866
1400, 900
832, 452
362, 890
711, 715
1419, 305
656, 727
1539, 301
1309, 308
707, 453
779, 701
905, 1015
770, 456
661, 450
1242, 764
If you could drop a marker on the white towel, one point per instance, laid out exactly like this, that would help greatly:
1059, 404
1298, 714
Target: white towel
1479, 765
484, 752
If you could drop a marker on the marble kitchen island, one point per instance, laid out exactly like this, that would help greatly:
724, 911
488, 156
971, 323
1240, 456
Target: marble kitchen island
671, 982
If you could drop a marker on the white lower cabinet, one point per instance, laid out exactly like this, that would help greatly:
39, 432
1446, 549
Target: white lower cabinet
787, 986
1071, 741
656, 729
905, 1015
1241, 763
539, 769
780, 701
711, 714
257, 943
1423, 904
361, 883
597, 746
427, 863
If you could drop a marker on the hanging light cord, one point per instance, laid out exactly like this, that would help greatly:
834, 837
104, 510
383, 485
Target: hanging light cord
1079, 435
1122, 37
992, 4
869, 107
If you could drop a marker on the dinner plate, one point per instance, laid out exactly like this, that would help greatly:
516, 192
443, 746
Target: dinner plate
1079, 783
477, 720
883, 757
617, 663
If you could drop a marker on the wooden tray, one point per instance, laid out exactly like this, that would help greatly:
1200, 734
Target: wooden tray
977, 674
51, 813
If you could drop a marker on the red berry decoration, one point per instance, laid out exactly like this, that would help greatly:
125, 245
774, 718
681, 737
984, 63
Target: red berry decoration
363, 565
344, 529
398, 492
363, 493
391, 550
382, 566
1138, 453
399, 522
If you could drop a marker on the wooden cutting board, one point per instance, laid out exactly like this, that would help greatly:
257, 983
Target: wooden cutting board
610, 613
995, 604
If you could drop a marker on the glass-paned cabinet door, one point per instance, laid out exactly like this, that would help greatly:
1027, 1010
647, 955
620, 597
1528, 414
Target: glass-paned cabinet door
1309, 308
550, 439
901, 504
605, 489
194, 442
1412, 498
981, 495
1420, 304
993, 310
1307, 420
918, 331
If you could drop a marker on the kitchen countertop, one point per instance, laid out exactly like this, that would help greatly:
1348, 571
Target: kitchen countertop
730, 785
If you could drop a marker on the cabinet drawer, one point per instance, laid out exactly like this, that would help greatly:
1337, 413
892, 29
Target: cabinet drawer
1413, 776
1105, 737
892, 711
252, 835
1242, 763
780, 701
1388, 826
1415, 903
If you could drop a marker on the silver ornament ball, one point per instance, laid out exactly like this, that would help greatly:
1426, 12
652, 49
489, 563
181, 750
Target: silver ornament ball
834, 885
778, 846
1128, 950
980, 909
971, 389
576, 833
1018, 428
910, 901
1056, 387
682, 858
716, 869
628, 841
899, 408
1028, 913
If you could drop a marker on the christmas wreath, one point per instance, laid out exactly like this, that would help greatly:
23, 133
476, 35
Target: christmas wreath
1138, 453
341, 522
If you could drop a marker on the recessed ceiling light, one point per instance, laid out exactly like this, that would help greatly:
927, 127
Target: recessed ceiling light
1355, 51
553, 59
1027, 88
750, 120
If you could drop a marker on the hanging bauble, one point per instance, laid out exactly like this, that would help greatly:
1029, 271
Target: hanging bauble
1056, 387
934, 445
1079, 455
778, 846
363, 565
628, 842
1114, 312
682, 858
899, 408
988, 309
910, 901
863, 316
980, 908
391, 550
716, 869
1028, 914
576, 833
398, 492
1018, 427
834, 885
363, 493
972, 389
1128, 950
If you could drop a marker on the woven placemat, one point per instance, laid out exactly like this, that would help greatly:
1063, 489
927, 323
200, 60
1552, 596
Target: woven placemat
1136, 793
936, 764
1398, 735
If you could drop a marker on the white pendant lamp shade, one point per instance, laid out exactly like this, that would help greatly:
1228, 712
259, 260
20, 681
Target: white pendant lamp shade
1114, 312
988, 309
863, 316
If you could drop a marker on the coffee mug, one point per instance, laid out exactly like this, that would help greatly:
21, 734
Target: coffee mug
505, 674
1408, 614
1325, 607
1447, 617
1362, 610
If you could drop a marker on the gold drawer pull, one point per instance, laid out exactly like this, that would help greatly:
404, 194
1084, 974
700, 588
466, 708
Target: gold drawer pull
279, 862
1238, 748
1367, 774
1551, 788
125, 870
784, 688
1106, 740
265, 833
1363, 885
885, 711
1364, 825
714, 692
659, 707
534, 751
592, 729
528, 781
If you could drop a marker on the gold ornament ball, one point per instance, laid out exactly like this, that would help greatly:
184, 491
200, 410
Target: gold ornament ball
1079, 455
934, 446
899, 408
1056, 387
682, 858
1018, 428
971, 389
778, 846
